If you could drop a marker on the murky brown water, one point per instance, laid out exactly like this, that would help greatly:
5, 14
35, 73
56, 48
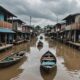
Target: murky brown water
68, 62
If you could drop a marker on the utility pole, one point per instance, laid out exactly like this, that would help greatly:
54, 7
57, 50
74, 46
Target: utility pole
57, 23
30, 26
57, 19
30, 20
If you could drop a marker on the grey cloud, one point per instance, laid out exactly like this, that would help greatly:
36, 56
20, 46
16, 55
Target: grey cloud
22, 8
62, 7
43, 11
51, 0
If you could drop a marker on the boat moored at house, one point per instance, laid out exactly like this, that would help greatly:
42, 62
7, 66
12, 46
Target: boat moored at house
12, 59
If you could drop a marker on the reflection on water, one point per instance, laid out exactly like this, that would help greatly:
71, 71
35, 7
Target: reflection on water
39, 48
67, 57
16, 48
40, 40
48, 75
12, 71
68, 62
70, 55
33, 42
21, 47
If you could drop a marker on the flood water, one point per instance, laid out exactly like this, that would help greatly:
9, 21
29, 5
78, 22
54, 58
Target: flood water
68, 62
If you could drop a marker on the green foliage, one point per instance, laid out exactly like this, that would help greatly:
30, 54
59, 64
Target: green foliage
38, 27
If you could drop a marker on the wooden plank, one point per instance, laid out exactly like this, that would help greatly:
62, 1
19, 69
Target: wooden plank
73, 43
6, 46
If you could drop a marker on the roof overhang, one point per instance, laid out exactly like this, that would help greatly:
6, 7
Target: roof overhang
4, 30
5, 11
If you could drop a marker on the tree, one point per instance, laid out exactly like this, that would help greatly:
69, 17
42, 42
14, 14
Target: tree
38, 27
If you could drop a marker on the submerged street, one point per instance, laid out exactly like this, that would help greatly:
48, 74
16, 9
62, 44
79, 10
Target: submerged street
68, 61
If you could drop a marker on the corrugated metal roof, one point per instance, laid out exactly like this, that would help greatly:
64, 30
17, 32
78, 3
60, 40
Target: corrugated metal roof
3, 30
16, 20
5, 11
71, 15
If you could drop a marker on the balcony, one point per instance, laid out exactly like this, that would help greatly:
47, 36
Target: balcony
74, 26
5, 24
68, 27
63, 28
19, 28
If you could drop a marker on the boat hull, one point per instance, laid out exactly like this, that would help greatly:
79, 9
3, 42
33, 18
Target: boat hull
48, 61
6, 64
11, 62
46, 68
40, 44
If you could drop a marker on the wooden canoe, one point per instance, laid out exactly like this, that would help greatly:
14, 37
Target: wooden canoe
41, 37
40, 44
48, 60
12, 59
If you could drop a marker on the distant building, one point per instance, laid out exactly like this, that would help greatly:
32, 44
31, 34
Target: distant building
17, 28
27, 30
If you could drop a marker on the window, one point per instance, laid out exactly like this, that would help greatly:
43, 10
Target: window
79, 20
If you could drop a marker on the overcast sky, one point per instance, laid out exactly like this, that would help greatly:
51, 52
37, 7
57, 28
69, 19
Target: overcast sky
43, 12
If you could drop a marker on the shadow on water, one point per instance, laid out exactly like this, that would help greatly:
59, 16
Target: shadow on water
33, 42
12, 71
69, 55
21, 47
39, 48
39, 44
50, 75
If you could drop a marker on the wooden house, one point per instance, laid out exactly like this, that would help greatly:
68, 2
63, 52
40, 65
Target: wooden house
72, 28
17, 28
28, 31
6, 33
